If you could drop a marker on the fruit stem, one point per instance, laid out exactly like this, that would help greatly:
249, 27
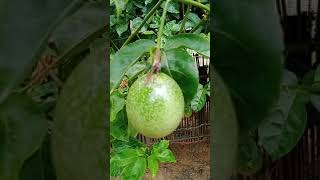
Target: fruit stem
157, 57
156, 66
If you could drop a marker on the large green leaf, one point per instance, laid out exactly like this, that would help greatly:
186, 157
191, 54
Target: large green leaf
225, 131
125, 58
25, 27
39, 165
179, 64
121, 159
129, 163
250, 158
285, 124
135, 170
117, 102
135, 70
191, 41
89, 19
315, 100
79, 130
199, 100
22, 130
119, 127
248, 56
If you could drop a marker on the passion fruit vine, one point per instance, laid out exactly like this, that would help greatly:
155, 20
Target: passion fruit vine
155, 105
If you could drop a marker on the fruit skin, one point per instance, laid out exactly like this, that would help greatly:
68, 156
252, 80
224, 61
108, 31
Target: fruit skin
155, 105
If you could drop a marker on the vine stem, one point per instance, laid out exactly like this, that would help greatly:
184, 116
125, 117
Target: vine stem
195, 3
163, 19
185, 19
148, 16
157, 57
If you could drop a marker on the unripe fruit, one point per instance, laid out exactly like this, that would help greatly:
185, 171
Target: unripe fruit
155, 105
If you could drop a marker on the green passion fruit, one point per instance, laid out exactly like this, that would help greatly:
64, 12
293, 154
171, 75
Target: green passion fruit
155, 105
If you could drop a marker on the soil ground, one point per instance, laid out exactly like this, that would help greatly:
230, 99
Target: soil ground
193, 163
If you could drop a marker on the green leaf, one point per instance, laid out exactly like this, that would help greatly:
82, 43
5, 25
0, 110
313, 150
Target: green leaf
162, 145
225, 131
119, 127
135, 23
195, 42
22, 130
250, 157
121, 27
127, 156
133, 143
136, 69
120, 6
125, 58
194, 18
39, 165
285, 124
33, 168
117, 103
153, 165
87, 20
179, 64
308, 78
24, 34
113, 20
199, 100
173, 7
146, 2
121, 159
156, 19
165, 156
170, 28
135, 170
315, 100
244, 50
115, 168
80, 122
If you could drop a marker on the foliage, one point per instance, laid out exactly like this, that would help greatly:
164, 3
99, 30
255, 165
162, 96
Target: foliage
134, 12
269, 100
249, 63
130, 158
41, 113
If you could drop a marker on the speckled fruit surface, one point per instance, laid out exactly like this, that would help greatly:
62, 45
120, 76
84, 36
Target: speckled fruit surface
155, 105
